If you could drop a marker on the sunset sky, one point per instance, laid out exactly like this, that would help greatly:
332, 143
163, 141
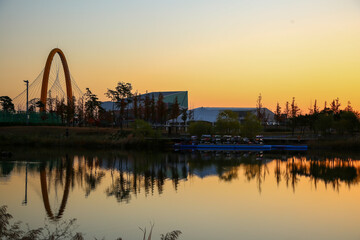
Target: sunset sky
225, 53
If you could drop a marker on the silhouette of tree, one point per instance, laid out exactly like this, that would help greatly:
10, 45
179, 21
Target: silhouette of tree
287, 110
199, 128
122, 91
348, 107
325, 107
135, 105
92, 106
278, 116
147, 108
60, 109
335, 106
294, 113
251, 126
6, 104
294, 109
50, 103
260, 111
80, 111
70, 111
184, 115
227, 122
324, 123
161, 109
114, 96
346, 122
175, 110
314, 109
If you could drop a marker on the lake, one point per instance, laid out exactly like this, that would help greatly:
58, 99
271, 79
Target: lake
205, 195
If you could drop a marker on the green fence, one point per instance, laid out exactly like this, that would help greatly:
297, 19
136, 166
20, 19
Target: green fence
35, 118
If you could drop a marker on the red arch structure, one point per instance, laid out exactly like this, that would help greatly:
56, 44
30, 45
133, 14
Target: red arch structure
45, 81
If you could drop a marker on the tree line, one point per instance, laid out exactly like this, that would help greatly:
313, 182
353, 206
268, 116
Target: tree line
87, 110
331, 119
227, 123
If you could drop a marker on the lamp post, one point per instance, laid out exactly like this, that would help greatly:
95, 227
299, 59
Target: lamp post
27, 101
26, 179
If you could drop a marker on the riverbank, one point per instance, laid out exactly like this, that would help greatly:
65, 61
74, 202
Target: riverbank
75, 137
344, 144
113, 138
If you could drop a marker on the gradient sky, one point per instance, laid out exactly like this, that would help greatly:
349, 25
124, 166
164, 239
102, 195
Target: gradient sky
223, 52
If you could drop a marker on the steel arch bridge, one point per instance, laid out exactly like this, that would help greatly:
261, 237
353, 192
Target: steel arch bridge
55, 77
45, 80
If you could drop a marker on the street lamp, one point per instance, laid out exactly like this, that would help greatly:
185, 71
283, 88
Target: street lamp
27, 101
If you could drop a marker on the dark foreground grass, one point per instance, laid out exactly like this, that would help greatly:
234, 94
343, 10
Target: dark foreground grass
344, 144
84, 137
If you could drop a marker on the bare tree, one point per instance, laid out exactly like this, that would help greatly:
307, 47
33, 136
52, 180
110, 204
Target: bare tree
278, 116
335, 105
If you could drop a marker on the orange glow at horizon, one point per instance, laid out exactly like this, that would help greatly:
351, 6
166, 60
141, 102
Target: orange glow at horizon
223, 54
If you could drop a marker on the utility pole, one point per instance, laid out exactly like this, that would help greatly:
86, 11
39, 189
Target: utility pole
27, 101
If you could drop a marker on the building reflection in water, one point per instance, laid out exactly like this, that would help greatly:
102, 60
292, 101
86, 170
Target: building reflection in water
132, 173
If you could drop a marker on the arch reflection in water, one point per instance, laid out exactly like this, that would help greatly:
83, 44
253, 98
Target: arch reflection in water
44, 190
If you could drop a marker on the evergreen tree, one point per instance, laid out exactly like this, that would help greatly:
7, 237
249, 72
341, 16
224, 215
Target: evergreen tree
348, 107
161, 109
153, 109
92, 106
287, 110
184, 115
175, 110
147, 108
325, 107
70, 111
316, 108
335, 106
294, 109
260, 111
294, 113
61, 109
278, 116
135, 106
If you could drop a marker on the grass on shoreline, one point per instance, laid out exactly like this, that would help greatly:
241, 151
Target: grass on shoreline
111, 138
80, 137
345, 144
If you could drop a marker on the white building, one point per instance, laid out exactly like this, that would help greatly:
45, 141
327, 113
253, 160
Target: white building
209, 114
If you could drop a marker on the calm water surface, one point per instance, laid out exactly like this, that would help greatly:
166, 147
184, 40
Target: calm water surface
205, 195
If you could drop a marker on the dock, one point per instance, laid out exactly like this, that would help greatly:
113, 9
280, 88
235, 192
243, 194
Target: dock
240, 147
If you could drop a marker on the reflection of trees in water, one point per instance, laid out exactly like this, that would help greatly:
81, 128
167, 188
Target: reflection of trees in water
228, 165
6, 168
93, 174
330, 171
256, 171
134, 173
